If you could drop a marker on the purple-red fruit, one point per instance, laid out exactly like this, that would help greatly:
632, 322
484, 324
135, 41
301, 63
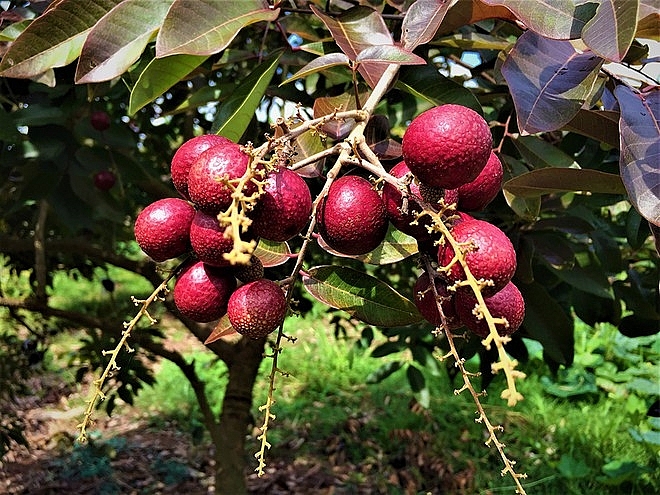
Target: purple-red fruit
447, 146
285, 207
476, 195
104, 180
187, 154
207, 178
426, 302
352, 218
100, 120
202, 292
257, 308
488, 253
162, 229
508, 303
209, 241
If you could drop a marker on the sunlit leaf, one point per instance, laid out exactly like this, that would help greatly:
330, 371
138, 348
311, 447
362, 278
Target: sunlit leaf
319, 64
54, 39
473, 41
395, 247
205, 27
465, 12
556, 180
639, 161
237, 110
611, 31
539, 153
222, 329
549, 81
11, 32
427, 83
356, 29
422, 21
556, 19
367, 298
648, 20
118, 39
390, 54
272, 253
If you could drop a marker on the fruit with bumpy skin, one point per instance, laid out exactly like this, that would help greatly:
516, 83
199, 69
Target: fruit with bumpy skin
254, 270
393, 200
257, 308
100, 120
104, 180
508, 303
447, 146
352, 218
488, 253
187, 154
425, 301
162, 229
476, 195
284, 208
202, 292
206, 186
210, 241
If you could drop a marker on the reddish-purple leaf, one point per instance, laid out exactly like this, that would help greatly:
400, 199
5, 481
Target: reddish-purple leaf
356, 29
549, 81
639, 161
422, 21
319, 64
611, 31
222, 329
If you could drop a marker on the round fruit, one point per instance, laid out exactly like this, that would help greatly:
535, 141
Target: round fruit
393, 200
285, 207
162, 229
186, 155
426, 303
447, 146
476, 195
257, 308
254, 270
352, 218
208, 239
508, 303
489, 254
202, 292
100, 120
206, 186
104, 180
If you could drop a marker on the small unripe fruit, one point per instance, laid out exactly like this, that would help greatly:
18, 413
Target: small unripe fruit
206, 186
488, 254
284, 208
162, 229
257, 308
104, 180
187, 154
425, 301
508, 303
447, 146
254, 270
352, 218
202, 292
476, 195
100, 120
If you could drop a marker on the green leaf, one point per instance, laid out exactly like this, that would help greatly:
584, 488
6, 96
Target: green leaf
422, 21
237, 110
611, 31
272, 253
575, 382
415, 378
383, 372
555, 180
387, 348
601, 125
473, 41
588, 279
205, 27
426, 83
319, 64
361, 295
160, 75
573, 468
54, 39
13, 31
395, 247
639, 161
118, 39
539, 153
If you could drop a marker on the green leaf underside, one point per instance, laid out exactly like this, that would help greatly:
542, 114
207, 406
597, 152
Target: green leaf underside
319, 64
390, 54
160, 75
422, 21
539, 153
361, 295
238, 109
272, 253
556, 180
54, 39
549, 81
205, 27
556, 19
639, 162
611, 31
118, 39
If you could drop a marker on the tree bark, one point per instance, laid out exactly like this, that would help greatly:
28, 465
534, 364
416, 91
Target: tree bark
235, 418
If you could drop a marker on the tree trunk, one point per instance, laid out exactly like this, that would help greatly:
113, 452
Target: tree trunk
230, 456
